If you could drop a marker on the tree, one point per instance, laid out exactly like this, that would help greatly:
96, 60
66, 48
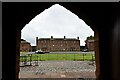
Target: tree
90, 37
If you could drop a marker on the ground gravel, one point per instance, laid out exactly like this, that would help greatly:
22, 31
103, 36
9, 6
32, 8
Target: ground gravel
58, 69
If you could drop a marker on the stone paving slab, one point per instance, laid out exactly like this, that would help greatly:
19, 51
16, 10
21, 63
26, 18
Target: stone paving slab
57, 78
60, 75
59, 69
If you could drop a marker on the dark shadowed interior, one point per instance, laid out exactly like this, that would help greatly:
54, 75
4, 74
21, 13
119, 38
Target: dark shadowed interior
103, 18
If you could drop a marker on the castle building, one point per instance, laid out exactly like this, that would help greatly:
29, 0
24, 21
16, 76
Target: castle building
58, 44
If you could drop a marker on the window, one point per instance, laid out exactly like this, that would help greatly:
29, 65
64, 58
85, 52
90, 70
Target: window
53, 41
41, 41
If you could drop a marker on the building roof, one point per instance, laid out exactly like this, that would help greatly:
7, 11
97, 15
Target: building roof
22, 40
58, 39
25, 42
90, 40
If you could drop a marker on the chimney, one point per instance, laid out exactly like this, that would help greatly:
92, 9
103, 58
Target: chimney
78, 38
64, 37
36, 41
51, 37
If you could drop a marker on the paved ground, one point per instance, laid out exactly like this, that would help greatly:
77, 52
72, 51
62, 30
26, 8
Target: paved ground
59, 69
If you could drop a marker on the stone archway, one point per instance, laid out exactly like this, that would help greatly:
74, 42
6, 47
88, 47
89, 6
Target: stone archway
96, 41
101, 14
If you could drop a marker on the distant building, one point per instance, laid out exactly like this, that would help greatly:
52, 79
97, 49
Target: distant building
33, 48
90, 43
82, 48
58, 44
25, 46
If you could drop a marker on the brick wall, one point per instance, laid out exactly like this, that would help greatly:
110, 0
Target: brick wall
25, 47
58, 44
90, 45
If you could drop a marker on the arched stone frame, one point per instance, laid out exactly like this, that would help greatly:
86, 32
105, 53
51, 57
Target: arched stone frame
103, 13
82, 16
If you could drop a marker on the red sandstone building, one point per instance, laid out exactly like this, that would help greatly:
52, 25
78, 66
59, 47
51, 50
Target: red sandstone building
58, 44
90, 43
25, 46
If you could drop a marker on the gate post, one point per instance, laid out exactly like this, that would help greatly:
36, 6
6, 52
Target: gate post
18, 34
96, 49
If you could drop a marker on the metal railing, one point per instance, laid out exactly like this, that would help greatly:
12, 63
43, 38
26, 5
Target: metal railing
26, 60
29, 59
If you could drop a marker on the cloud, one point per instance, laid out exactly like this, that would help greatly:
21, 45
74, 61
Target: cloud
58, 22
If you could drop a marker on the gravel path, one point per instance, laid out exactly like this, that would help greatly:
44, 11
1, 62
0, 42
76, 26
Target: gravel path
59, 69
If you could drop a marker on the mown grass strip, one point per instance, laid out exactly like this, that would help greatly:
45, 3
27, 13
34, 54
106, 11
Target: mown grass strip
63, 56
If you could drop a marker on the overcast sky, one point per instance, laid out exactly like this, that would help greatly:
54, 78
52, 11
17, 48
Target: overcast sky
58, 22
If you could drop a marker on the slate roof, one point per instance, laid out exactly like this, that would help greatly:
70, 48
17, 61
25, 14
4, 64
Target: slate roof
24, 41
57, 39
90, 40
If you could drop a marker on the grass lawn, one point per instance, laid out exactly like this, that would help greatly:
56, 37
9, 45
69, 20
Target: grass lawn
22, 52
63, 56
